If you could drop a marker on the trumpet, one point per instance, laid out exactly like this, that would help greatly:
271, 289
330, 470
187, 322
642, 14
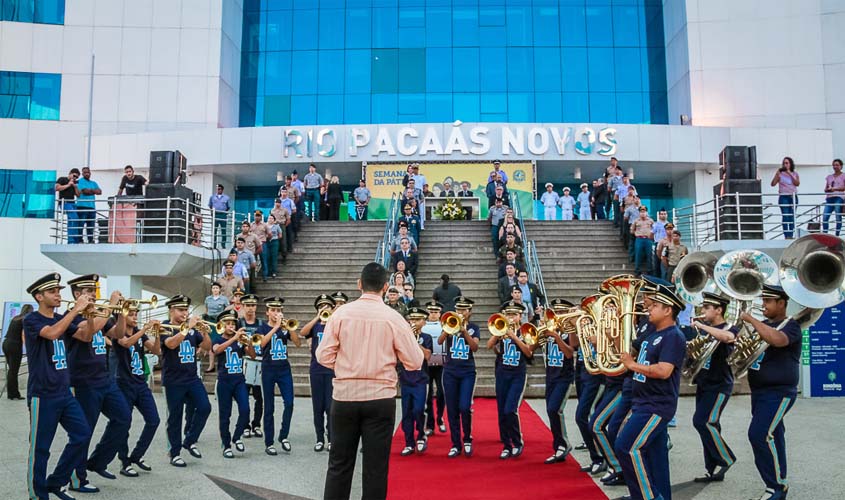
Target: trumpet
158, 330
100, 310
290, 324
152, 302
325, 314
452, 323
244, 340
498, 325
205, 327
533, 335
256, 339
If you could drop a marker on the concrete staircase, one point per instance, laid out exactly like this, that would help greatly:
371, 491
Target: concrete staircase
328, 257
462, 249
575, 256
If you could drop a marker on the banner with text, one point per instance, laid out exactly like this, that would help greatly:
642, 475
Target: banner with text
827, 354
384, 179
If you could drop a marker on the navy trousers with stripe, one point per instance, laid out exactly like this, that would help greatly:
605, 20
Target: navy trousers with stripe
767, 435
321, 403
644, 456
605, 409
619, 416
458, 389
193, 396
509, 389
45, 415
413, 412
140, 397
557, 393
269, 380
226, 393
110, 402
708, 411
587, 395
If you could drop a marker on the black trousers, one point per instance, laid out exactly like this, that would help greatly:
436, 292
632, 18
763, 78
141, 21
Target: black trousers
371, 423
13, 352
436, 401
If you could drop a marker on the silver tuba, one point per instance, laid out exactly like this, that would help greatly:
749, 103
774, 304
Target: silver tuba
693, 276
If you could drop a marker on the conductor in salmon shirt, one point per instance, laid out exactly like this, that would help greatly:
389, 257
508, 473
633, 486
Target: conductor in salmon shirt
362, 342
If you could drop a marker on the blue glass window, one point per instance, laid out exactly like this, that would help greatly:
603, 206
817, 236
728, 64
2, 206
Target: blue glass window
394, 61
33, 11
30, 96
27, 193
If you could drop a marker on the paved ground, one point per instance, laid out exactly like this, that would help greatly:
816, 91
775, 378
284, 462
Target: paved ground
815, 436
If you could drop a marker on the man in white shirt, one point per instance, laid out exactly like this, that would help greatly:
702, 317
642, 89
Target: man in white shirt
550, 201
567, 205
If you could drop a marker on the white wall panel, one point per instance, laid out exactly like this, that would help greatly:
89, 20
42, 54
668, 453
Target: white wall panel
77, 45
43, 151
109, 13
47, 49
133, 99
167, 13
193, 52
191, 105
164, 52
16, 47
163, 96
138, 13
107, 48
135, 51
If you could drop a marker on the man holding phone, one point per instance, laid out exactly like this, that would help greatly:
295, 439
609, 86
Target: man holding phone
68, 190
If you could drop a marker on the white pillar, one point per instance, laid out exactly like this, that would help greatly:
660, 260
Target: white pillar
129, 286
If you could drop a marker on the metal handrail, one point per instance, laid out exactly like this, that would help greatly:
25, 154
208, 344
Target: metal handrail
383, 247
758, 216
137, 220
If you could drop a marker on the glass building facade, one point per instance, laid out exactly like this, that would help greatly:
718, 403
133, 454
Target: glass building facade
27, 193
33, 11
398, 61
30, 96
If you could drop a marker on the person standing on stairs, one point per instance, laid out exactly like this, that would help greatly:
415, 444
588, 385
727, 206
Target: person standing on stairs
495, 216
414, 384
567, 205
549, 200
511, 372
435, 402
446, 293
584, 199
459, 377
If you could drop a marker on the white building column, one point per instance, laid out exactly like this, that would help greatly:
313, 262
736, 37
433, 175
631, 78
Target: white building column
129, 286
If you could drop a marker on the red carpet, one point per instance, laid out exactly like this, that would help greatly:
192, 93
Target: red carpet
484, 476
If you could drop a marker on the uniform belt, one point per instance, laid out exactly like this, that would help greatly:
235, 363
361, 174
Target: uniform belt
644, 237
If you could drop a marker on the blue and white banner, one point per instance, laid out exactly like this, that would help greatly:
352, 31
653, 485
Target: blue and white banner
827, 354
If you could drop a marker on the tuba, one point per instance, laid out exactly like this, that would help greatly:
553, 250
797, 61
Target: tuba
451, 323
616, 325
699, 351
812, 273
586, 327
693, 276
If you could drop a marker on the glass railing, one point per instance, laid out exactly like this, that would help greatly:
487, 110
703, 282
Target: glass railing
532, 263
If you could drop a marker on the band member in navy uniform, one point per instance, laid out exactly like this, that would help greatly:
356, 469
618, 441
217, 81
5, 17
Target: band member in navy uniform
714, 384
182, 385
644, 331
275, 371
436, 403
459, 377
321, 377
129, 352
560, 373
511, 355
230, 349
642, 444
250, 323
774, 386
602, 413
48, 390
590, 388
339, 298
414, 386
94, 387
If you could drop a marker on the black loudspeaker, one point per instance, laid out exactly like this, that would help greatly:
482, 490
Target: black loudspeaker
743, 221
738, 163
167, 167
168, 226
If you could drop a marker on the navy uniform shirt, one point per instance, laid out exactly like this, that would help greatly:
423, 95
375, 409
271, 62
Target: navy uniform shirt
509, 358
179, 365
716, 374
651, 395
250, 329
276, 351
130, 360
230, 362
459, 358
559, 369
47, 359
417, 376
87, 360
644, 331
316, 336
777, 368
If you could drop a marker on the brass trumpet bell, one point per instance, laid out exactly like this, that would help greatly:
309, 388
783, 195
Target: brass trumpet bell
256, 339
291, 324
325, 314
451, 323
497, 324
532, 335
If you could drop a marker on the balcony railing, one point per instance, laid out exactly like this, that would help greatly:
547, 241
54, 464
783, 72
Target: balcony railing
744, 216
133, 220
